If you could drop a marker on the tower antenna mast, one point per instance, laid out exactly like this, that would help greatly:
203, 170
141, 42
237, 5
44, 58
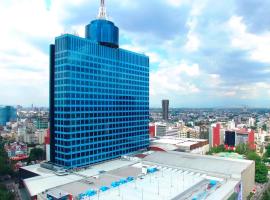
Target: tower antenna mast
102, 10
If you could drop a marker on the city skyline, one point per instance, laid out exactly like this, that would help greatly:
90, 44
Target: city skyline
211, 54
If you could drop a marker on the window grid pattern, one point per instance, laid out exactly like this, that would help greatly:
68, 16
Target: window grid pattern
101, 102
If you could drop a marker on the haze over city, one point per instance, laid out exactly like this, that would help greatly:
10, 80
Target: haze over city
202, 53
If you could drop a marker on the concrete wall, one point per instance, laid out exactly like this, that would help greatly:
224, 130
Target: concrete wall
201, 150
248, 180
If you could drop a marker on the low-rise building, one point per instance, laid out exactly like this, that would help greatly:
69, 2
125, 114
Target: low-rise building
156, 176
152, 130
16, 150
161, 129
240, 136
172, 143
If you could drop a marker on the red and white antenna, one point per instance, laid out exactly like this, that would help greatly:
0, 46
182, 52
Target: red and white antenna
102, 10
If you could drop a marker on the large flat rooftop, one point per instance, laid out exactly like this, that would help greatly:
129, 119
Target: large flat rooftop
210, 164
176, 176
166, 183
171, 143
47, 179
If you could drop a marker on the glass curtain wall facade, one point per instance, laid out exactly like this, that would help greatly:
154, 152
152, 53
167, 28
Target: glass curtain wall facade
100, 107
7, 114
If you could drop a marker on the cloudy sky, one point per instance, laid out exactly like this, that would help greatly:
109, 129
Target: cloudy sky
203, 53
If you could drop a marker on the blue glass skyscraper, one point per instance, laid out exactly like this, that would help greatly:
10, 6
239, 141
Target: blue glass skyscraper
7, 114
99, 96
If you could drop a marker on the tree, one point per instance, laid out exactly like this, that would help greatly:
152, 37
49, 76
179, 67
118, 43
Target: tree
242, 149
264, 127
217, 149
5, 166
36, 154
5, 194
267, 153
261, 172
266, 194
253, 156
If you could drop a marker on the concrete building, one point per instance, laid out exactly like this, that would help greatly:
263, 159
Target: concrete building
165, 109
231, 125
240, 136
240, 174
172, 143
153, 176
15, 149
161, 129
173, 131
47, 144
216, 135
190, 132
152, 130
183, 132
40, 134
21, 131
251, 122
41, 122
31, 137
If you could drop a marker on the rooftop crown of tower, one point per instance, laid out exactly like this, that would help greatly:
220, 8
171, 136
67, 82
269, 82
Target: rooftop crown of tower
102, 30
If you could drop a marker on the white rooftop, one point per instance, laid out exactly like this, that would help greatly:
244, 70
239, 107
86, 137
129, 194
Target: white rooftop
47, 179
210, 164
166, 183
106, 166
179, 176
170, 143
40, 184
177, 140
38, 170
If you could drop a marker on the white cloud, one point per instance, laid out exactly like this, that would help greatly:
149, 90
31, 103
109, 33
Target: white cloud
134, 46
252, 91
258, 45
229, 94
214, 80
193, 41
180, 68
173, 78
24, 67
176, 2
197, 7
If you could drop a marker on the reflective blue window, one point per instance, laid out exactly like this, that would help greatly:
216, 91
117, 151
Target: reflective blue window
101, 101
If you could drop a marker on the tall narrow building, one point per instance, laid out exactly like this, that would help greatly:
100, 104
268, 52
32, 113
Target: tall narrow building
165, 109
99, 96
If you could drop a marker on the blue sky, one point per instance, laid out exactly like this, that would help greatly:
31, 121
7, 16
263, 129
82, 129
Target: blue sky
203, 53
